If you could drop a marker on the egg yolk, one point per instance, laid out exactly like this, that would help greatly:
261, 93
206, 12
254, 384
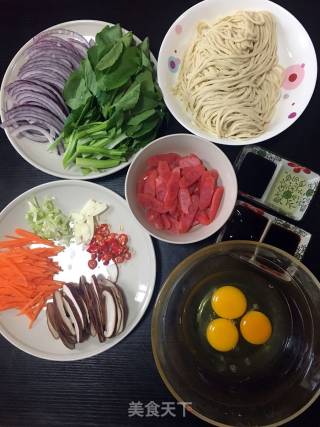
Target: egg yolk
229, 302
222, 334
255, 327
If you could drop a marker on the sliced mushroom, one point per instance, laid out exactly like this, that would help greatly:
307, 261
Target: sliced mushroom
50, 321
71, 310
99, 312
121, 307
68, 290
73, 291
58, 320
110, 314
58, 303
87, 303
93, 332
78, 311
92, 301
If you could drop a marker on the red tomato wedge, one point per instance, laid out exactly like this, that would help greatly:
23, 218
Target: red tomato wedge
187, 219
179, 193
172, 188
191, 160
184, 200
150, 183
150, 202
161, 188
164, 169
153, 161
215, 203
155, 219
203, 218
190, 175
166, 221
207, 187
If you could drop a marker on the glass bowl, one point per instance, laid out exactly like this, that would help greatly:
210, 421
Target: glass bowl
264, 385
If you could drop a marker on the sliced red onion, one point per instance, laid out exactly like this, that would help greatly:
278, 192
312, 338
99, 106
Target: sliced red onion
32, 111
32, 120
35, 105
60, 42
41, 101
49, 48
64, 32
52, 64
27, 128
38, 86
58, 57
44, 72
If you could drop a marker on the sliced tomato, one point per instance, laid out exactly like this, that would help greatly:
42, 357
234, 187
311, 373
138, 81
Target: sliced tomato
172, 188
174, 224
150, 202
184, 200
215, 175
140, 185
153, 161
207, 187
195, 222
191, 160
155, 219
166, 221
203, 218
175, 211
215, 203
194, 188
186, 220
164, 169
150, 183
190, 175
161, 188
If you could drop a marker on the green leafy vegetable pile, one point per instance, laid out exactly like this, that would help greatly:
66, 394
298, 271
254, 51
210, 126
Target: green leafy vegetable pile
116, 104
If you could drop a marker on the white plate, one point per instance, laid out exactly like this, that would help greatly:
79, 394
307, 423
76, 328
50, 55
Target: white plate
295, 49
136, 278
37, 154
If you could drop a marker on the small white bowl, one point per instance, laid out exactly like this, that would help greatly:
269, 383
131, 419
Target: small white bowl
212, 157
296, 55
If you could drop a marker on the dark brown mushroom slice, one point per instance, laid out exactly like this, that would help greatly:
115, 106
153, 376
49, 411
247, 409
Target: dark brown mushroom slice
93, 304
110, 313
58, 303
51, 322
74, 316
121, 302
86, 297
72, 291
79, 295
121, 306
119, 311
98, 307
58, 320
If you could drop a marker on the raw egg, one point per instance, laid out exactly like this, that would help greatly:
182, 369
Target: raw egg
222, 334
255, 327
229, 302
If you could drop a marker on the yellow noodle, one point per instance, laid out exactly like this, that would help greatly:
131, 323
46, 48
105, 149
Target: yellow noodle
230, 78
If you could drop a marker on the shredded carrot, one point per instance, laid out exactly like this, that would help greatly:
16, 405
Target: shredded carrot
26, 273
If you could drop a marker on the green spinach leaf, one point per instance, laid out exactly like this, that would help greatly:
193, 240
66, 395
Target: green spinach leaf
110, 57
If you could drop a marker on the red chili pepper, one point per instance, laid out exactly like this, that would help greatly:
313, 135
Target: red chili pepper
92, 263
105, 246
123, 239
